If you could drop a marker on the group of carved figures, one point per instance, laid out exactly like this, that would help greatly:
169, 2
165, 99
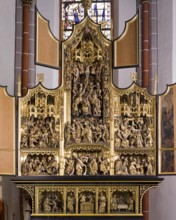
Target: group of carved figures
90, 88
39, 133
53, 202
136, 135
135, 104
134, 165
87, 100
40, 165
86, 131
86, 165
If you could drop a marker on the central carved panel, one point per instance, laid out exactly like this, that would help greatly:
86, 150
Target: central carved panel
87, 80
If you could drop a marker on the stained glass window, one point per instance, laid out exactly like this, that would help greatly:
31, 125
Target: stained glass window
73, 13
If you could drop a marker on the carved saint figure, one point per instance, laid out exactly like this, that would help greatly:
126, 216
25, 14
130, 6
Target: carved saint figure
113, 203
102, 203
47, 205
71, 202
93, 167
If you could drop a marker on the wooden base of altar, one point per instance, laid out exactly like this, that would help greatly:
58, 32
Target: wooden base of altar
87, 197
87, 218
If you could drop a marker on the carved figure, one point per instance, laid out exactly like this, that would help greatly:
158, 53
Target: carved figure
81, 168
118, 167
75, 73
86, 107
149, 168
75, 104
139, 141
71, 202
96, 105
68, 132
125, 167
87, 132
93, 167
47, 205
148, 139
102, 203
132, 168
130, 204
104, 169
113, 203
70, 169
105, 133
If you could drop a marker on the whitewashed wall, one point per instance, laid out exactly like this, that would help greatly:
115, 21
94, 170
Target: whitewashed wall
162, 200
7, 57
165, 43
7, 44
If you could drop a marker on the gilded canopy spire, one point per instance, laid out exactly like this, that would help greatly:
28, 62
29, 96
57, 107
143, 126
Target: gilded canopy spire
86, 4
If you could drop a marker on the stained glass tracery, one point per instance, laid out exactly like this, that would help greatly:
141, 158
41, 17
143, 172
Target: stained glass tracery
73, 13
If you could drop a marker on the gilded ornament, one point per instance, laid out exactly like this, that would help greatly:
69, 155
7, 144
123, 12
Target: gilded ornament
86, 4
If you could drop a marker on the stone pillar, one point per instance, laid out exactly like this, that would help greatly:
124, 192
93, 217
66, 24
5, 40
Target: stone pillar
25, 55
153, 44
145, 42
145, 75
32, 68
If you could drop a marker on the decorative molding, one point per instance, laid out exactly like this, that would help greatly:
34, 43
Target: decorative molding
30, 190
143, 190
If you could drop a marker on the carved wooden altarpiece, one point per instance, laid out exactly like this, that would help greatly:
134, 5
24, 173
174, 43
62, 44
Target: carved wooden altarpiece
87, 148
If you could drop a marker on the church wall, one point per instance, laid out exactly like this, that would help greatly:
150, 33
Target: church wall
174, 42
165, 43
162, 199
7, 44
9, 194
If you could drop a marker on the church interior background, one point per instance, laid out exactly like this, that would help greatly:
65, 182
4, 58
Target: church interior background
87, 109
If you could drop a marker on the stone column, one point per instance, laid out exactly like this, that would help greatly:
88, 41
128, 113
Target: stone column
145, 42
153, 44
25, 55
